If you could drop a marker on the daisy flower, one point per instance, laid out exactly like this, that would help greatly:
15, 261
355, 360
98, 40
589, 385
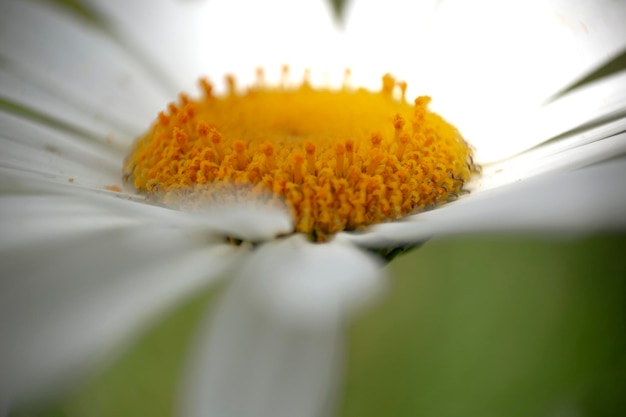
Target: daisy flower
93, 250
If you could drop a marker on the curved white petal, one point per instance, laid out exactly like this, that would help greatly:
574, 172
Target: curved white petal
555, 157
594, 103
587, 200
80, 281
61, 66
273, 346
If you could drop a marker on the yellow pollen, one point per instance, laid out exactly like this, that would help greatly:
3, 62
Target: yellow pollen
340, 159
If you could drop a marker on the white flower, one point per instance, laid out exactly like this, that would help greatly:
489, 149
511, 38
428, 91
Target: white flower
84, 268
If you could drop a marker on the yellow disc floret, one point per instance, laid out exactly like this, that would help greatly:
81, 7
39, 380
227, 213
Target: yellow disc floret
340, 159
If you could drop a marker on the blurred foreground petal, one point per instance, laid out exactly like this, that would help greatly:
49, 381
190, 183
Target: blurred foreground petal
79, 280
57, 64
274, 345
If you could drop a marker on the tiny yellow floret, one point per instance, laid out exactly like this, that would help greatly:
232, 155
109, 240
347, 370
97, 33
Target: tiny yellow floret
340, 159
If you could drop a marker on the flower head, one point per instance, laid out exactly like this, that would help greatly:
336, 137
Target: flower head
341, 160
86, 263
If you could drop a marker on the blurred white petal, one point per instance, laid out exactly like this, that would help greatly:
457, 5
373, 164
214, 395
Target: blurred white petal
82, 273
246, 221
59, 65
588, 200
174, 42
32, 220
274, 345
35, 199
597, 102
489, 64
222, 36
302, 282
30, 146
25, 93
66, 303
553, 159
526, 51
388, 36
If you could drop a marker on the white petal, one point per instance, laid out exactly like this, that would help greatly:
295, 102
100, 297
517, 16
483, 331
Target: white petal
34, 147
304, 282
588, 200
26, 94
65, 303
176, 38
559, 156
597, 28
253, 367
594, 103
486, 54
63, 67
82, 272
388, 36
189, 39
247, 221
31, 220
273, 347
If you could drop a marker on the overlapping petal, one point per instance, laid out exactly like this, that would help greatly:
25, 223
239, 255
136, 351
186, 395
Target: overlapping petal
79, 280
59, 65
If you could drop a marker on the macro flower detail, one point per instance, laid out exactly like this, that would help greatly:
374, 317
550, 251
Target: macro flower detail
341, 159
279, 196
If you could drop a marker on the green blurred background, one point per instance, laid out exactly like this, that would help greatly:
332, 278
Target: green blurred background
495, 326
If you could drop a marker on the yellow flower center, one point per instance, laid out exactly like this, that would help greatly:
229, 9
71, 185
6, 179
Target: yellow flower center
340, 159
